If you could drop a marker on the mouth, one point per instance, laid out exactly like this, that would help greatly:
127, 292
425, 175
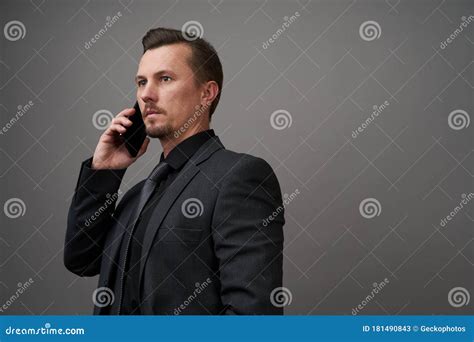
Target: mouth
152, 113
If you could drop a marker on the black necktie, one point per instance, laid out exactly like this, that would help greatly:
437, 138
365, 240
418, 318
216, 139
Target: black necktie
160, 172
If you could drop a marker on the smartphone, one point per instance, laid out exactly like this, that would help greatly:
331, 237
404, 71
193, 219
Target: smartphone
136, 133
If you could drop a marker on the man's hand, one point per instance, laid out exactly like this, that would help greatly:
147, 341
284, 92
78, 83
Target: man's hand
111, 152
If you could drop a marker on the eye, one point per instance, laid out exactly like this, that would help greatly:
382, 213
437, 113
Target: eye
165, 78
141, 83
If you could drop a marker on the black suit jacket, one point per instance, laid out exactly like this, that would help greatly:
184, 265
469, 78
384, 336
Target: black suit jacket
207, 249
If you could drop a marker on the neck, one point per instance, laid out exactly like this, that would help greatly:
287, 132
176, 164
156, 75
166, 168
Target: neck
170, 142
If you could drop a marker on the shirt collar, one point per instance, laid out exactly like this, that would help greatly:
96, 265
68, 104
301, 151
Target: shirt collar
182, 152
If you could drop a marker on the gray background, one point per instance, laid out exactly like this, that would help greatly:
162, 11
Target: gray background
325, 75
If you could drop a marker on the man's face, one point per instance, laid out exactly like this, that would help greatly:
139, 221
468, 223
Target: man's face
166, 85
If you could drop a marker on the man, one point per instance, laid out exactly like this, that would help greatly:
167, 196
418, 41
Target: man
190, 238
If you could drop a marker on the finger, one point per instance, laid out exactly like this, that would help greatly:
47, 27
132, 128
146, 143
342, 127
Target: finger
122, 120
116, 128
144, 147
126, 112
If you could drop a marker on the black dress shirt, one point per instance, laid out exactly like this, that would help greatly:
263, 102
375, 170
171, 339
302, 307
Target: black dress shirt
178, 156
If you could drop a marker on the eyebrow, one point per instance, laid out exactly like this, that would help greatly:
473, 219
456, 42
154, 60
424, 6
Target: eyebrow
158, 73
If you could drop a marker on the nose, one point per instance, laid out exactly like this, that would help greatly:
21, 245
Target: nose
148, 94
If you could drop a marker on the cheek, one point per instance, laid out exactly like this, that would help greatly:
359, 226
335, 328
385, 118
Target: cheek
182, 98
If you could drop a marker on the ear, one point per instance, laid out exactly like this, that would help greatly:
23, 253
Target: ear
210, 91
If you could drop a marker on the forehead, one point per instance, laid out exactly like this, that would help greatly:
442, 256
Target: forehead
169, 57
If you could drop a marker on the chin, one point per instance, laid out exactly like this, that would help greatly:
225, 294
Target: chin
159, 131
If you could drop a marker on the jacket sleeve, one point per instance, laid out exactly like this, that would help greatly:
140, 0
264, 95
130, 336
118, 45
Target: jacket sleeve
248, 237
90, 218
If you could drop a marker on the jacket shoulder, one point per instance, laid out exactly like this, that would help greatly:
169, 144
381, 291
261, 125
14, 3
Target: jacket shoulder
232, 158
227, 163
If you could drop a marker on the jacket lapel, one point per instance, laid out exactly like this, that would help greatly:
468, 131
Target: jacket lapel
189, 171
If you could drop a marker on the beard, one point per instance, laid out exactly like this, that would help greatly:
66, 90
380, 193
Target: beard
159, 131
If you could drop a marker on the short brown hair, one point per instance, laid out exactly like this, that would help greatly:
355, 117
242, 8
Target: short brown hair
204, 62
